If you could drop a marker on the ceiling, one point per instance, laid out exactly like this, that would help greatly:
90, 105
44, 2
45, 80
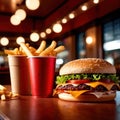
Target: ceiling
47, 7
49, 12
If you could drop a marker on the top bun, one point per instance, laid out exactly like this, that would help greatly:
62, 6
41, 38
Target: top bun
87, 65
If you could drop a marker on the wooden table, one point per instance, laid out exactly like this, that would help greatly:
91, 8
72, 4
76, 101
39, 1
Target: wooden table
35, 108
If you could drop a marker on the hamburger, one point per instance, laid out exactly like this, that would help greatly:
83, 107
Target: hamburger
87, 80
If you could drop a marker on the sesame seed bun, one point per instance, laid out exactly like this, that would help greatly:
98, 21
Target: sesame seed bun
87, 65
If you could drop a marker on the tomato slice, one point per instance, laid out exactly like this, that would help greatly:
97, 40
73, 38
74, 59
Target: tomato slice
78, 81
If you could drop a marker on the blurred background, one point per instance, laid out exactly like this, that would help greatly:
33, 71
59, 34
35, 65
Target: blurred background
87, 28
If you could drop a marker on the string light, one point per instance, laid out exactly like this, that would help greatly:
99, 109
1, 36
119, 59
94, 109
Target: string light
32, 4
20, 39
71, 15
34, 36
21, 14
84, 8
42, 35
57, 28
4, 41
64, 20
95, 1
48, 30
15, 20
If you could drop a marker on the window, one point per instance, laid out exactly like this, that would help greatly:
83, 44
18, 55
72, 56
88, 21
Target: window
111, 41
80, 45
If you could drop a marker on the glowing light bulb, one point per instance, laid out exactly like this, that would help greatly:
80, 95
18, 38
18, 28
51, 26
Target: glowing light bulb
34, 36
64, 20
42, 35
95, 1
57, 28
15, 20
21, 14
84, 8
20, 39
71, 15
4, 41
48, 30
89, 40
32, 4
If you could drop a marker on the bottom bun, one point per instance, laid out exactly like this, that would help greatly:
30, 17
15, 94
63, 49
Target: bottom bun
87, 97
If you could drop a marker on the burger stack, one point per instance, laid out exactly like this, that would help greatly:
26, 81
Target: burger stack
87, 80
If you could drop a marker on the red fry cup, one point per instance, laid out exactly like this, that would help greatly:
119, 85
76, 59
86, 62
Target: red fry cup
42, 74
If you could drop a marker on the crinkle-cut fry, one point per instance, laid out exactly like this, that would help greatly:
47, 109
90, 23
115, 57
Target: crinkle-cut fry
48, 49
59, 49
26, 49
41, 47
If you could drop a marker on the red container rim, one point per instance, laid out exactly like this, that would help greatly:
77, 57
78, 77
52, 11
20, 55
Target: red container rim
41, 57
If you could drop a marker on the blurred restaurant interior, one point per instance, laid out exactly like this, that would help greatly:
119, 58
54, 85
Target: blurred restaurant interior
87, 28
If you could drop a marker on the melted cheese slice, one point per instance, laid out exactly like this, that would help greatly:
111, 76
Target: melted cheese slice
92, 84
106, 85
77, 93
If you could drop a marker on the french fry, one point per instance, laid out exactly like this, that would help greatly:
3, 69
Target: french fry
2, 88
48, 49
15, 51
9, 52
41, 47
53, 44
32, 49
7, 95
52, 53
59, 49
27, 44
3, 97
26, 49
14, 96
22, 51
1, 92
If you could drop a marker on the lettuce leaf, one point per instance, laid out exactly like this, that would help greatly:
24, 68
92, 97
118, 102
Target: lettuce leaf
93, 77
